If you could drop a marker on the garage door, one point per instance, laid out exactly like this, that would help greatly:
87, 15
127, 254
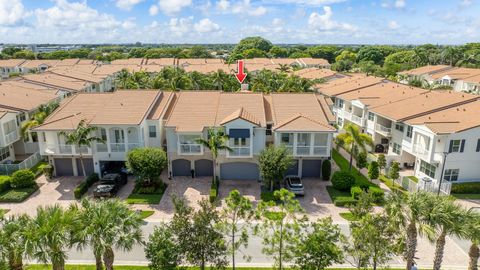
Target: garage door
311, 168
203, 167
88, 163
181, 167
239, 171
63, 167
293, 170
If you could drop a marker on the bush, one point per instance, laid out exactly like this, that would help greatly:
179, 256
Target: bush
377, 194
326, 170
83, 187
4, 183
373, 171
466, 188
344, 201
48, 171
343, 180
356, 191
22, 179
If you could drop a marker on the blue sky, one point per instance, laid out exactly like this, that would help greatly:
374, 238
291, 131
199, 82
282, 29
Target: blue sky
227, 21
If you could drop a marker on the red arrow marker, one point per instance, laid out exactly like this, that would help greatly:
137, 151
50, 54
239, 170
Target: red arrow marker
241, 75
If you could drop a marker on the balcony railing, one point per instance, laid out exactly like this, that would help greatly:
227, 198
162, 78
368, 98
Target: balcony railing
419, 149
240, 151
102, 147
303, 150
117, 147
131, 146
11, 137
190, 149
383, 129
64, 149
357, 119
320, 150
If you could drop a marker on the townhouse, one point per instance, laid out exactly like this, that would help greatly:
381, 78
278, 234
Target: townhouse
10, 66
176, 120
416, 127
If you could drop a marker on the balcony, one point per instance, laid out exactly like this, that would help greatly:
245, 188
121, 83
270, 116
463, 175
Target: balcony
357, 119
11, 137
64, 149
303, 150
190, 149
383, 130
117, 147
320, 150
419, 149
239, 151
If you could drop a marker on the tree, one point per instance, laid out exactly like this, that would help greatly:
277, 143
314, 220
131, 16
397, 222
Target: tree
49, 235
382, 161
320, 248
355, 140
374, 241
394, 172
376, 54
274, 162
38, 118
373, 171
248, 43
81, 137
147, 163
408, 214
363, 206
162, 248
107, 225
473, 234
215, 142
280, 228
326, 170
12, 240
346, 55
278, 52
235, 221
367, 67
361, 160
326, 52
253, 53
285, 68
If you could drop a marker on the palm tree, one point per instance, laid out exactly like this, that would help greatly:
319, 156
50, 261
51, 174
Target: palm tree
407, 212
105, 225
218, 79
12, 240
48, 235
448, 218
284, 68
355, 139
38, 118
216, 141
123, 78
451, 55
473, 234
81, 136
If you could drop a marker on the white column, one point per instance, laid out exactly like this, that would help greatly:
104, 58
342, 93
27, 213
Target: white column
295, 140
312, 138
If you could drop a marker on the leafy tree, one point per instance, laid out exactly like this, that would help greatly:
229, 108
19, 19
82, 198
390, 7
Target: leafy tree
147, 163
326, 52
107, 225
394, 172
354, 139
13, 239
281, 227
49, 235
10, 51
162, 248
373, 171
363, 206
321, 247
451, 55
382, 161
278, 52
299, 55
38, 118
252, 53
215, 142
252, 43
342, 65
408, 214
24, 54
326, 169
346, 55
199, 52
404, 59
235, 222
368, 67
274, 162
361, 160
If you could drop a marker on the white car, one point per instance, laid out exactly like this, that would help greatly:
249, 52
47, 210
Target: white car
294, 185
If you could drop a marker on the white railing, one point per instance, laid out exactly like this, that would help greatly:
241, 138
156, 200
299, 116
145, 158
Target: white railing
64, 149
117, 147
320, 150
382, 129
11, 137
419, 149
357, 119
303, 150
190, 149
131, 146
239, 151
102, 147
28, 163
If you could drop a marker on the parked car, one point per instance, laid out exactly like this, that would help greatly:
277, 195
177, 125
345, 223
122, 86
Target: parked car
294, 184
109, 185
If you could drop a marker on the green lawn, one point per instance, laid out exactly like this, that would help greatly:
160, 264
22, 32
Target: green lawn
17, 195
467, 196
343, 164
37, 169
144, 198
348, 216
335, 193
390, 184
146, 213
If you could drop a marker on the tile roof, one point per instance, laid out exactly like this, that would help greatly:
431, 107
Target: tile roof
299, 122
456, 73
129, 61
57, 81
249, 105
347, 84
161, 106
15, 95
160, 61
68, 62
11, 62
314, 73
36, 63
426, 70
240, 114
313, 61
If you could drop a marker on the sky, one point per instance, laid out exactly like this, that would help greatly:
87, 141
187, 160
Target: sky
228, 21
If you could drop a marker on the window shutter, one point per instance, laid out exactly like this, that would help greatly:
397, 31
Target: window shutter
462, 146
450, 148
478, 145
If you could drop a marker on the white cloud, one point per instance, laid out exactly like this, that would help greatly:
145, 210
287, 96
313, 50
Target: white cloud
153, 10
180, 25
205, 26
243, 7
127, 4
171, 7
400, 3
309, 2
466, 3
324, 22
393, 25
12, 12
223, 5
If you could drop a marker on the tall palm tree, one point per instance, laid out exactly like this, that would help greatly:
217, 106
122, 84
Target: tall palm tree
448, 218
12, 240
38, 118
473, 234
216, 141
407, 212
451, 55
48, 236
284, 68
81, 136
105, 225
355, 140
123, 78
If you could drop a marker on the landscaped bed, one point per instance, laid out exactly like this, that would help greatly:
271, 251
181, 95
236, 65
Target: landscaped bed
17, 195
18, 187
147, 196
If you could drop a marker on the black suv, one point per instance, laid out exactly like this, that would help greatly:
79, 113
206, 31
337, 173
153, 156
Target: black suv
109, 185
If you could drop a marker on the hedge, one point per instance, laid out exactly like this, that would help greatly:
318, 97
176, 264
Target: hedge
377, 194
466, 188
343, 180
326, 170
356, 191
22, 179
214, 190
344, 201
83, 187
4, 182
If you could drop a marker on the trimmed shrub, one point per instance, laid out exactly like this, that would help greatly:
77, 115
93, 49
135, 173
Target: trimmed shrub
4, 182
466, 188
344, 201
377, 194
22, 179
373, 171
361, 160
356, 191
343, 180
83, 187
48, 171
326, 170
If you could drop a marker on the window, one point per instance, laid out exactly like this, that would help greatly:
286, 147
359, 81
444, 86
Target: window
451, 174
340, 103
152, 131
22, 117
303, 139
397, 148
239, 141
340, 121
9, 127
409, 131
287, 138
371, 116
119, 136
399, 127
456, 146
269, 130
478, 145
427, 169
4, 153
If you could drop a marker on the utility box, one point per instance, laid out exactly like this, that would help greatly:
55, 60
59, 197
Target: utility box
244, 87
